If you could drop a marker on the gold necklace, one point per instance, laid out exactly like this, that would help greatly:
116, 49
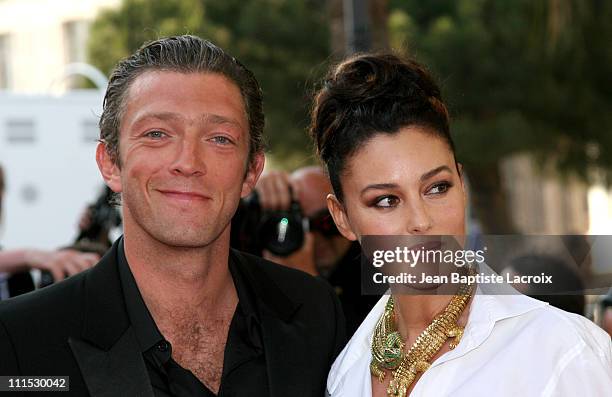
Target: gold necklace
388, 347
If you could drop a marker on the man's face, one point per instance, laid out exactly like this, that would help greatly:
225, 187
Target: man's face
313, 186
184, 143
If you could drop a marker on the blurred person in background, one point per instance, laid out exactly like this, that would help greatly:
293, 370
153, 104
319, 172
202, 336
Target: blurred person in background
605, 307
15, 264
322, 251
96, 223
566, 290
171, 310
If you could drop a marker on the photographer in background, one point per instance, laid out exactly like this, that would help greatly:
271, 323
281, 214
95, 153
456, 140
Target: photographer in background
567, 290
16, 264
286, 221
96, 223
604, 307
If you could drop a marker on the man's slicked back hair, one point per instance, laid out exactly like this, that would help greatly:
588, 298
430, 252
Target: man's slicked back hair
183, 54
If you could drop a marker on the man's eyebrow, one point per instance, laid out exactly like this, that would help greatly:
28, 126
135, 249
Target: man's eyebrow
218, 119
172, 116
163, 116
424, 177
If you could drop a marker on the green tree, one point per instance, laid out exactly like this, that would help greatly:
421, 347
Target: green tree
518, 76
284, 42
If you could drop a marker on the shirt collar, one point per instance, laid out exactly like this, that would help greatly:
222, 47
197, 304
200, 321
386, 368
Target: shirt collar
485, 311
144, 326
247, 301
489, 305
268, 296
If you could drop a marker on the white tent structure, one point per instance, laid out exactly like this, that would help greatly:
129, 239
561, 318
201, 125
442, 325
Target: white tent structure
47, 150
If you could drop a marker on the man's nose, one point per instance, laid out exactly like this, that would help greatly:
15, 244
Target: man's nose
189, 158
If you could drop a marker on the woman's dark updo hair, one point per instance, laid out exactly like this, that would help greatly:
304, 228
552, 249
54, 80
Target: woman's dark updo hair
369, 94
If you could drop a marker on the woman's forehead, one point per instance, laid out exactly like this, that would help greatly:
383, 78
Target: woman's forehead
412, 151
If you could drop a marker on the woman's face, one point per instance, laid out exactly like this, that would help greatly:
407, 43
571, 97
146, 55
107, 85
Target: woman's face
401, 184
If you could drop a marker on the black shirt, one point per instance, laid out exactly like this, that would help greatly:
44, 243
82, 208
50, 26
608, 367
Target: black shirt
244, 366
347, 278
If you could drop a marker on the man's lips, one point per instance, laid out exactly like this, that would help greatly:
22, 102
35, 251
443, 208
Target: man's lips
184, 195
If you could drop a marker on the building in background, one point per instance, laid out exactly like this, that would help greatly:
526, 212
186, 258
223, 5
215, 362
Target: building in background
47, 150
38, 38
48, 127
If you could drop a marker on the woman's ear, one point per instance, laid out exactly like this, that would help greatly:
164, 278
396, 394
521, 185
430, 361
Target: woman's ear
338, 213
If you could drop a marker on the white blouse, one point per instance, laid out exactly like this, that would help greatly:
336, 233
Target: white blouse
513, 345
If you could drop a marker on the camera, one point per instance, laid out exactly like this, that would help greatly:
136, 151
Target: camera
94, 238
280, 232
104, 216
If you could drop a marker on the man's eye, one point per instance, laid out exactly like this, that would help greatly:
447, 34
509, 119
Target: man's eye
155, 134
222, 140
386, 201
440, 188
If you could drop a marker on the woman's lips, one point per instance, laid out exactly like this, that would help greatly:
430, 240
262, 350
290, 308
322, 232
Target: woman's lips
426, 246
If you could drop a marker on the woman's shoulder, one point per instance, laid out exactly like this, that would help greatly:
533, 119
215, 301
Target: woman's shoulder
572, 328
539, 324
557, 343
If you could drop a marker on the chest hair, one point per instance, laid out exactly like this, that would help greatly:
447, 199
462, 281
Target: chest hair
199, 345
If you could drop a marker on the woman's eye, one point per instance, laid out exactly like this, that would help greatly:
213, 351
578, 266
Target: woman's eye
386, 201
439, 188
156, 134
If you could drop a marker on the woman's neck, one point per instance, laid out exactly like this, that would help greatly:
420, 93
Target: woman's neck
414, 312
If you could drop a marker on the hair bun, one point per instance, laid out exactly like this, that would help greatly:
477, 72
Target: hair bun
371, 94
370, 78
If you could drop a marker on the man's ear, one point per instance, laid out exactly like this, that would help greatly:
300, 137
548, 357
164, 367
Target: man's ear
338, 213
256, 166
109, 170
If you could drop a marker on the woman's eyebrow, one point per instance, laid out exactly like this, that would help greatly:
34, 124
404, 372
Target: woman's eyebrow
424, 177
379, 186
435, 171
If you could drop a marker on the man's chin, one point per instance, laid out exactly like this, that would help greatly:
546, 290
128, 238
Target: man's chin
182, 239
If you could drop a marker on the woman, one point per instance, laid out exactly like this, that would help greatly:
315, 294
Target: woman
382, 130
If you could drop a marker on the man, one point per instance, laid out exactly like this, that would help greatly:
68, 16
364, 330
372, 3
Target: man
325, 252
15, 264
170, 310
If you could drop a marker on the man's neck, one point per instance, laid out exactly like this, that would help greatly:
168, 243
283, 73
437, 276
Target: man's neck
172, 279
191, 296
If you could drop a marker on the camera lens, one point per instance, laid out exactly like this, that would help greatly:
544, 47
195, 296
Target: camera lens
282, 233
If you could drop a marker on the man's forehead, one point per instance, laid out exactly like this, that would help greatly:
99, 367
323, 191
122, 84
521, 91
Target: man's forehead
141, 98
149, 77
